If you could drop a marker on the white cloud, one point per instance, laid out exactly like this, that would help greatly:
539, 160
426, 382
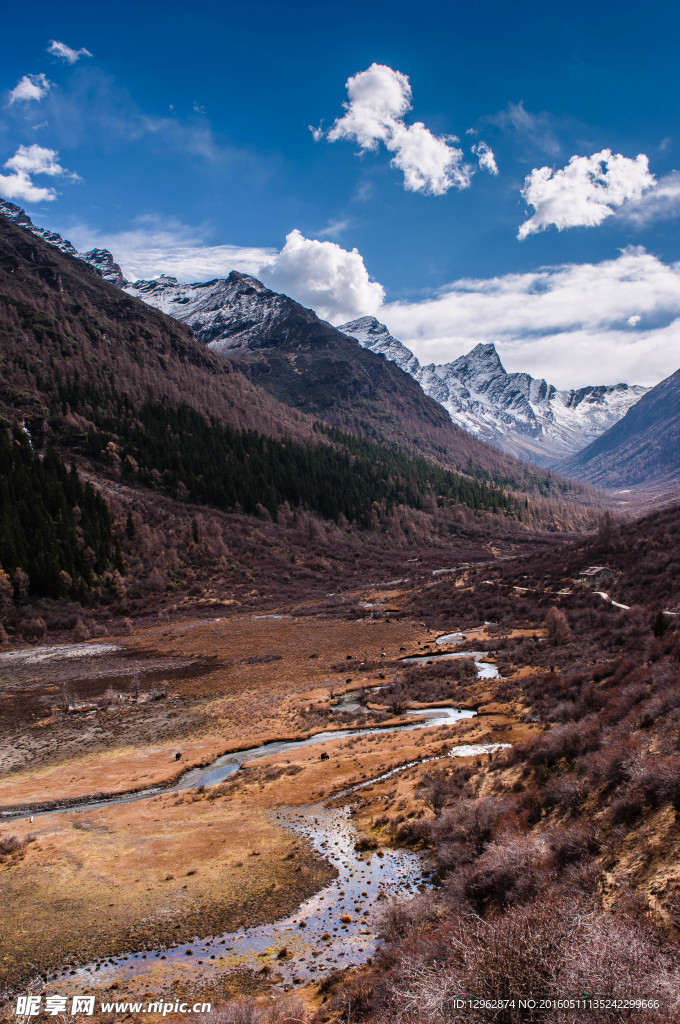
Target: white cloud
334, 228
660, 203
29, 88
153, 247
331, 280
67, 53
569, 323
379, 99
20, 186
36, 160
27, 161
485, 155
585, 192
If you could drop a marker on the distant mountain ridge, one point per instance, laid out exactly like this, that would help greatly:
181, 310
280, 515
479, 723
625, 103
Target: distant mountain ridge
524, 416
305, 363
642, 449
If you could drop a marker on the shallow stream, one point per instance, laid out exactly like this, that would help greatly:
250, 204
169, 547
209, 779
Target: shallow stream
314, 939
311, 941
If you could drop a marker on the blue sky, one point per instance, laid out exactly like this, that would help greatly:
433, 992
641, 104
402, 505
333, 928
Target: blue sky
181, 140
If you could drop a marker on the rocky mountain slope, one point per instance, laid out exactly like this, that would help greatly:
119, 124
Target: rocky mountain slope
101, 259
310, 365
642, 449
303, 362
523, 416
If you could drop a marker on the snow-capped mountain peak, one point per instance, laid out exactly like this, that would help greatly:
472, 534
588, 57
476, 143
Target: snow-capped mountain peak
482, 355
104, 262
370, 333
225, 313
523, 415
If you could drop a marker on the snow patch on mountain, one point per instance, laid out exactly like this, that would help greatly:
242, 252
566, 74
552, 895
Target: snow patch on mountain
227, 313
522, 415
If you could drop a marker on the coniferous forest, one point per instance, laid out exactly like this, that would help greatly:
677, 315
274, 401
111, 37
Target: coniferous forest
177, 449
53, 526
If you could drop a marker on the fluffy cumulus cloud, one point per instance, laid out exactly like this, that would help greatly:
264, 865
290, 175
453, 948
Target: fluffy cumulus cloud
67, 53
331, 280
574, 324
585, 192
378, 101
27, 162
30, 88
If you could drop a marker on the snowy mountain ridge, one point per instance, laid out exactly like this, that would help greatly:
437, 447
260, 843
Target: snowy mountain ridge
228, 313
522, 415
100, 259
515, 412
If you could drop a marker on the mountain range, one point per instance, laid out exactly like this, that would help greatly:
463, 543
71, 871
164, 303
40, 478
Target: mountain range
522, 415
81, 352
301, 361
642, 449
469, 412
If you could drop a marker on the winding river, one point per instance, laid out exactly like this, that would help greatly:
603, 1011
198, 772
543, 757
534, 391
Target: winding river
333, 929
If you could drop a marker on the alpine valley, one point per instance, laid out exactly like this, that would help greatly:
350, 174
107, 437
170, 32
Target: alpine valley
324, 697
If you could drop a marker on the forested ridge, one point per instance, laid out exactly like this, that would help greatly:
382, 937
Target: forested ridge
193, 457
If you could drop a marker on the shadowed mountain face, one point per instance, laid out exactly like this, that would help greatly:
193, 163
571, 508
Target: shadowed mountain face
522, 415
642, 449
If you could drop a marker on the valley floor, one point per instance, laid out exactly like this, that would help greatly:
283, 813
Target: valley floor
92, 882
226, 808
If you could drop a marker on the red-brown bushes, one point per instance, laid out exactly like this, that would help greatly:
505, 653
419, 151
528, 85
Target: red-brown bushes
559, 948
510, 871
289, 1010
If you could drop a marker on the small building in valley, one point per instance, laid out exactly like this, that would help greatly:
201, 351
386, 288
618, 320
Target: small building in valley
596, 574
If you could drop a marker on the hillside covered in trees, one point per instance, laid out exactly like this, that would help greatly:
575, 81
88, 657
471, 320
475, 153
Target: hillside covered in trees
98, 376
55, 531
